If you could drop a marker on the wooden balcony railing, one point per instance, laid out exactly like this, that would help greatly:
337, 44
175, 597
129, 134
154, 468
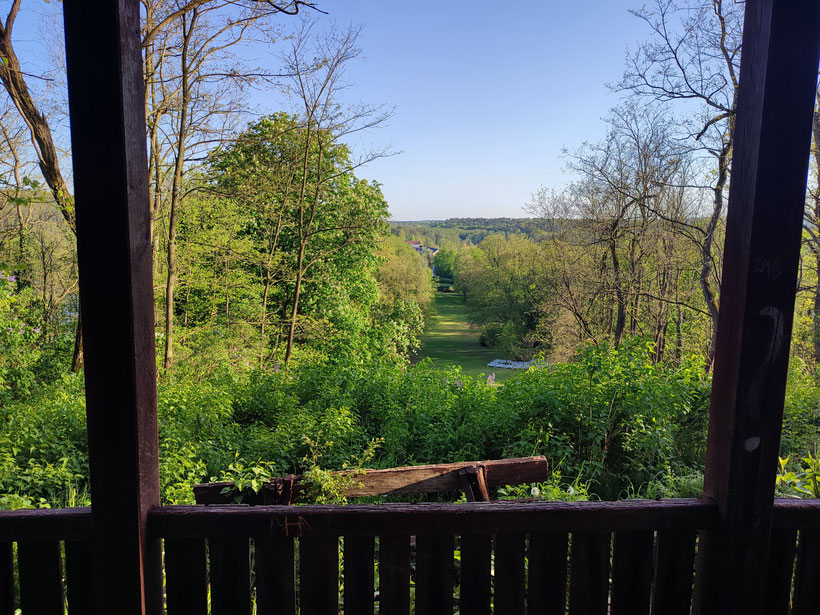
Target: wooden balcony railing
626, 557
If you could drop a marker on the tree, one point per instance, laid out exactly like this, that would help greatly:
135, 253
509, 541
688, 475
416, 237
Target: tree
313, 235
693, 56
317, 63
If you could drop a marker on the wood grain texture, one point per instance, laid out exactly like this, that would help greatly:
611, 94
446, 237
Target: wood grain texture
778, 77
394, 575
409, 479
41, 586
79, 577
674, 570
108, 140
807, 574
359, 589
275, 575
476, 580
508, 584
782, 548
186, 576
420, 519
319, 575
6, 579
547, 574
434, 575
589, 573
632, 573
230, 575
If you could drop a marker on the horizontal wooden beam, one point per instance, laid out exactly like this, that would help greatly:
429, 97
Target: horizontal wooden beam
75, 523
408, 479
48, 524
421, 519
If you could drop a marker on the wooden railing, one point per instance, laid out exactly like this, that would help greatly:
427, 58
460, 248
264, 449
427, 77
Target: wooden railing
544, 557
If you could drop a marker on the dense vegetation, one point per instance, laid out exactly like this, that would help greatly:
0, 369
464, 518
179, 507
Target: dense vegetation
290, 312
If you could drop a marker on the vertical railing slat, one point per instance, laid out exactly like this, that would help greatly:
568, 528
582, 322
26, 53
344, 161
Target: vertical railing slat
230, 576
674, 572
632, 573
40, 567
79, 573
275, 576
6, 578
474, 594
394, 575
434, 575
186, 576
807, 576
359, 559
782, 548
509, 574
318, 575
589, 573
547, 582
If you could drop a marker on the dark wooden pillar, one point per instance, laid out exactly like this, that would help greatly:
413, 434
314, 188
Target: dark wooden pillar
778, 76
111, 189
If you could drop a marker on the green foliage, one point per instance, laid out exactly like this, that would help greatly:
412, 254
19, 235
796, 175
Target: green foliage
246, 478
29, 358
801, 479
612, 421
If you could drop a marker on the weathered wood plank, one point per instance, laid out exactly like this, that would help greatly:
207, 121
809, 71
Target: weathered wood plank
275, 576
409, 479
359, 588
434, 575
476, 580
790, 514
107, 113
41, 587
509, 574
318, 575
45, 524
230, 572
782, 548
547, 574
778, 77
807, 575
589, 573
632, 573
79, 577
674, 573
186, 576
420, 519
6, 579
394, 575
474, 484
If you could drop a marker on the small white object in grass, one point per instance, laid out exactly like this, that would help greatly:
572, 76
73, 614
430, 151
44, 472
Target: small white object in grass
504, 364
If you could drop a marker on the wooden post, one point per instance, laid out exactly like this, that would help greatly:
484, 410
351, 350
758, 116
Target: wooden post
778, 76
107, 107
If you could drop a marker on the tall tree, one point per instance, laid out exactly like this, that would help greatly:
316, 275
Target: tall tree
693, 56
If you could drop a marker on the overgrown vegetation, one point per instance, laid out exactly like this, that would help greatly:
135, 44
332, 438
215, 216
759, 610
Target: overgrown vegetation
611, 423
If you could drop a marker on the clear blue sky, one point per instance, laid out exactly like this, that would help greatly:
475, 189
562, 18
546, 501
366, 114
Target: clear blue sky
486, 94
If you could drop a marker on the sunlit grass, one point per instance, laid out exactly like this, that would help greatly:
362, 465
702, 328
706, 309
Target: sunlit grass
450, 339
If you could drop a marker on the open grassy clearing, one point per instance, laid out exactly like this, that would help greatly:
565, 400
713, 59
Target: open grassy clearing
449, 339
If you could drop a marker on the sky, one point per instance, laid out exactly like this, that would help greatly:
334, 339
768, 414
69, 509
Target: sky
486, 95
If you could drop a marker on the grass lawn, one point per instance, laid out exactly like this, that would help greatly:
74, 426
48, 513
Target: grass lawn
449, 339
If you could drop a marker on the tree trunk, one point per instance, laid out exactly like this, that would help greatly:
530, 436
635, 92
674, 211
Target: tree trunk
176, 191
620, 322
